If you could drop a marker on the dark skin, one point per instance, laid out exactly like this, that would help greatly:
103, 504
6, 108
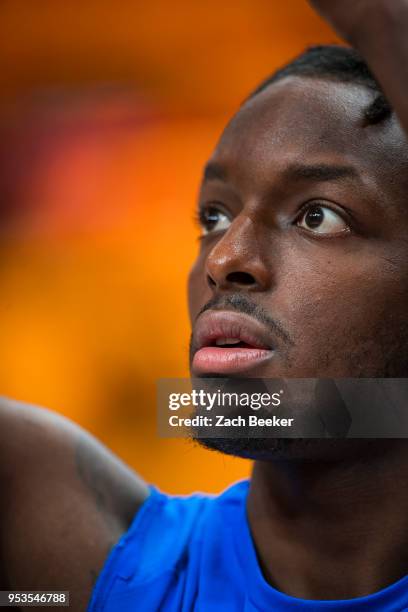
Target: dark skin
65, 501
341, 296
340, 293
305, 278
322, 528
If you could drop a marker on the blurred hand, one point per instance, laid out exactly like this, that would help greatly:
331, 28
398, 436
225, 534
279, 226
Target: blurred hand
348, 16
378, 30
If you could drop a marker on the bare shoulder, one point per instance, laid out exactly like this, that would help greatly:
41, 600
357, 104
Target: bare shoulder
66, 500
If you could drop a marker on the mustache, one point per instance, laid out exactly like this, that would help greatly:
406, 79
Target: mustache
241, 303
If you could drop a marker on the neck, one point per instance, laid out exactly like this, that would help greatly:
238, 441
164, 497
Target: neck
332, 530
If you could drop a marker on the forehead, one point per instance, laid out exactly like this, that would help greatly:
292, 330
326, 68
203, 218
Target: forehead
298, 120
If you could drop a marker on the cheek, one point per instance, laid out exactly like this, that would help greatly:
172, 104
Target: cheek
337, 314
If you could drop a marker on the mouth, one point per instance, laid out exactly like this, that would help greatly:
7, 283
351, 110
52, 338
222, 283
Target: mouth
228, 343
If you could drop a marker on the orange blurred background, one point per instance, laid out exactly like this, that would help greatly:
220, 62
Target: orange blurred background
108, 112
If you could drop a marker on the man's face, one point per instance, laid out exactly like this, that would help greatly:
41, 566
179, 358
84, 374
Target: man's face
304, 260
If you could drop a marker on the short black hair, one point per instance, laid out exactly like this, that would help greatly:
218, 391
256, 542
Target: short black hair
338, 63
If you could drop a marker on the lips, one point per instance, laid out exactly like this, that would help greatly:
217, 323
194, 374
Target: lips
228, 343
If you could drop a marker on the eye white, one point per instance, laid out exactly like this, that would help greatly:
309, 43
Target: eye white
322, 220
216, 221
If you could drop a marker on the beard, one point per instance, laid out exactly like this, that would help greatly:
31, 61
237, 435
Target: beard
375, 351
333, 420
282, 450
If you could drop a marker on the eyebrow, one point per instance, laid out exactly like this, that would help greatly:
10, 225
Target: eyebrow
214, 172
312, 172
319, 172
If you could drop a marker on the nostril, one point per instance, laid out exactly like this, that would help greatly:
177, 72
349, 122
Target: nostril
240, 278
211, 282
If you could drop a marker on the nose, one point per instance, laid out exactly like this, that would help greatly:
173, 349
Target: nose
238, 261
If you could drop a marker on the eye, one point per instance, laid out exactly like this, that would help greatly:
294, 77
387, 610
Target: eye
320, 219
212, 219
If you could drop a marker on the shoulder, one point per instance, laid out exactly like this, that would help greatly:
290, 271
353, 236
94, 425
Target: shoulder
164, 536
164, 550
169, 527
66, 500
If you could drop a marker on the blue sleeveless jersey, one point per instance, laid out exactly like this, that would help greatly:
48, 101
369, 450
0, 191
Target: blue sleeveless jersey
196, 553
